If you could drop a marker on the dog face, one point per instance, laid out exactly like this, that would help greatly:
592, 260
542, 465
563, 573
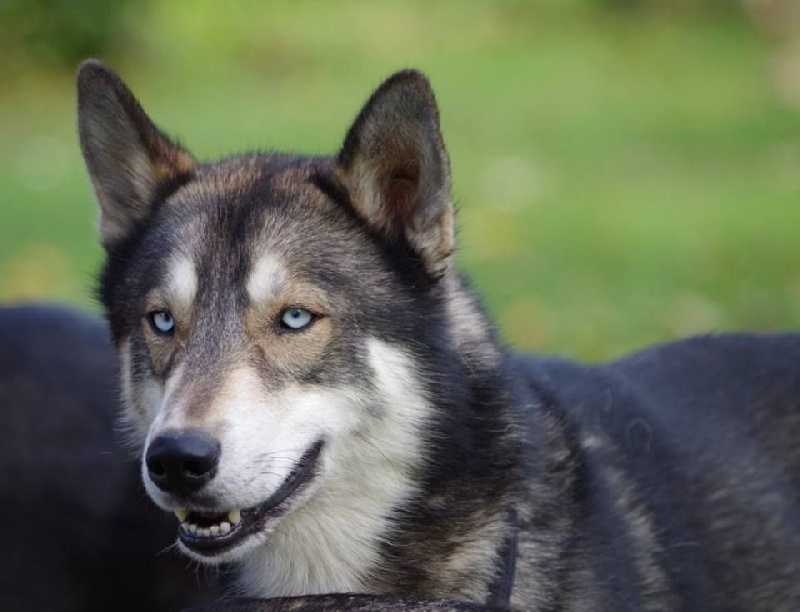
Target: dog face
270, 311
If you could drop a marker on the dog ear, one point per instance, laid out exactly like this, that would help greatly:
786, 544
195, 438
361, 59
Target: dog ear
130, 162
395, 168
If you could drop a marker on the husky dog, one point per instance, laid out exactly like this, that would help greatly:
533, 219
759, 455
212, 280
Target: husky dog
73, 511
321, 401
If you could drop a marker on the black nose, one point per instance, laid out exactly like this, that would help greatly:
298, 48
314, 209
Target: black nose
181, 462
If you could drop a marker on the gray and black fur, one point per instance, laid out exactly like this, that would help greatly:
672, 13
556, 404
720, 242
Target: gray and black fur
667, 480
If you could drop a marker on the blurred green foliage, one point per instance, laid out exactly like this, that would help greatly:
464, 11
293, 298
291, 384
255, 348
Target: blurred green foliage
60, 32
623, 176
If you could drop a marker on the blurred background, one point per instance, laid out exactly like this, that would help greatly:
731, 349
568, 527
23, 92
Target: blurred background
627, 171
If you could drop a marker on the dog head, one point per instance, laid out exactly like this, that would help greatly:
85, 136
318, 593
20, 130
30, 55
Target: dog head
276, 316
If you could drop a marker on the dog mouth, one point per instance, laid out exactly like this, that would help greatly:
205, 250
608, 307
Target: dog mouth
210, 533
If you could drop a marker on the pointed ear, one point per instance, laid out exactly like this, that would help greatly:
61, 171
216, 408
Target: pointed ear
394, 166
130, 162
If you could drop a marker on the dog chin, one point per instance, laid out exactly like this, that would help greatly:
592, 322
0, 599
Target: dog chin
238, 552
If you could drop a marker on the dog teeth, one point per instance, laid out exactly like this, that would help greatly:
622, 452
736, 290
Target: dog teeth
222, 528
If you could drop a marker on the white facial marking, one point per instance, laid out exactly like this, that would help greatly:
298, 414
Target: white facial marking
141, 398
182, 285
373, 442
127, 387
170, 414
263, 435
266, 278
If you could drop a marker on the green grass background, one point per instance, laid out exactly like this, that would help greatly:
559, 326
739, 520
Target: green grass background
622, 177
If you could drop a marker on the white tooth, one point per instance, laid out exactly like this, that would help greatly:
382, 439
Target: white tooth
191, 528
235, 516
224, 527
181, 513
214, 529
205, 533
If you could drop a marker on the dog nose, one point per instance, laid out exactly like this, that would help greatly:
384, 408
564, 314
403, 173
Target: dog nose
181, 462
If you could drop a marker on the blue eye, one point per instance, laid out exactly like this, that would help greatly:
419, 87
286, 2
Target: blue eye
162, 322
295, 319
